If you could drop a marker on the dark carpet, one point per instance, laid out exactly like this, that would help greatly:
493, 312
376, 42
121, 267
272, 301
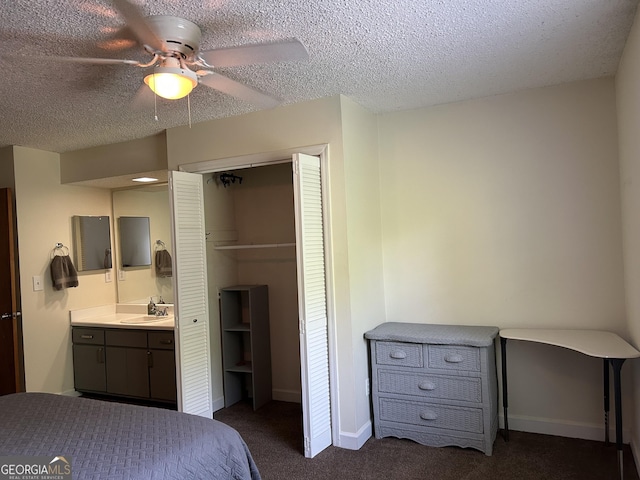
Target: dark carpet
274, 436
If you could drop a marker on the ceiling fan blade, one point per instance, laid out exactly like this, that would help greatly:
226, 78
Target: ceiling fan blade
238, 90
98, 61
137, 23
94, 61
284, 51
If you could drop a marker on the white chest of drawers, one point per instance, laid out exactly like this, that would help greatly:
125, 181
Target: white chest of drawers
435, 384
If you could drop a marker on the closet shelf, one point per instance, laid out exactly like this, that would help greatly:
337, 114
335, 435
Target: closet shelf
244, 247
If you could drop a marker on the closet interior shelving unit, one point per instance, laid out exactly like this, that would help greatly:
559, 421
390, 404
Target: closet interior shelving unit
246, 350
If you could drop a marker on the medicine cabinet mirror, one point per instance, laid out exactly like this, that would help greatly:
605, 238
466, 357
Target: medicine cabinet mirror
135, 241
137, 284
92, 242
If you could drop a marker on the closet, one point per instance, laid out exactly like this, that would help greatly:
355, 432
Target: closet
250, 231
263, 223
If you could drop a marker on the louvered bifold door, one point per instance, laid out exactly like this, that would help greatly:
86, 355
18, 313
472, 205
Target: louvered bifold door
312, 304
190, 292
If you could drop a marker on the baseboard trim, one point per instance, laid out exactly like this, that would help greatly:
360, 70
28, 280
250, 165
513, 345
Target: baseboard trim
559, 428
355, 441
70, 393
290, 396
218, 404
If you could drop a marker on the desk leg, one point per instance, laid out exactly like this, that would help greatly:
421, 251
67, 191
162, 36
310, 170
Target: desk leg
617, 366
505, 401
606, 400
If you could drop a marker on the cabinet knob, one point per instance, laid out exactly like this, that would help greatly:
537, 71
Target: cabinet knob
427, 386
453, 358
398, 354
429, 415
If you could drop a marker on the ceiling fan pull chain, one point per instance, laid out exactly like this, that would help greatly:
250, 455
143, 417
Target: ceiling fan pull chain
155, 106
189, 108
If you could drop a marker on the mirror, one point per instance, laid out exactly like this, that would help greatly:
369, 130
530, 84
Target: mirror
137, 284
135, 243
92, 242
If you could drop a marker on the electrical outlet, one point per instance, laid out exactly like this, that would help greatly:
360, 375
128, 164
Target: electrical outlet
122, 275
107, 276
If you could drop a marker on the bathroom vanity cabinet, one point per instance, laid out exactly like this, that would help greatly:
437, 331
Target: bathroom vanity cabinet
128, 363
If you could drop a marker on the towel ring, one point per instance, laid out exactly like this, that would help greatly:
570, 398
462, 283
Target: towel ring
160, 245
60, 250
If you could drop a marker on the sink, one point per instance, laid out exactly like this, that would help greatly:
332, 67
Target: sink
146, 319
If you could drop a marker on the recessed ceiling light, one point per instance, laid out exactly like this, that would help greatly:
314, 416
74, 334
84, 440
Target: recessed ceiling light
145, 179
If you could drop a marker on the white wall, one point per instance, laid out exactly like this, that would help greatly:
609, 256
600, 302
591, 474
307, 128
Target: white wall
506, 211
628, 100
44, 211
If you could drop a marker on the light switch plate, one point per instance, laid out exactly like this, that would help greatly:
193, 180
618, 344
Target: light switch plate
37, 283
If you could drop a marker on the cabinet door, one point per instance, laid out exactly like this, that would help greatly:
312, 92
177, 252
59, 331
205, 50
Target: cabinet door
162, 375
89, 368
128, 371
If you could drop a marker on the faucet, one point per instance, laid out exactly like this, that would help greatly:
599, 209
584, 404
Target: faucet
162, 312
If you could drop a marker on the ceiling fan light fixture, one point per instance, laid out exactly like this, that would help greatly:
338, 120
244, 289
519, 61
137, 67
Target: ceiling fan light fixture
171, 82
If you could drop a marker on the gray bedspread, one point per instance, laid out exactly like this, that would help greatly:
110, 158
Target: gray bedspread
108, 440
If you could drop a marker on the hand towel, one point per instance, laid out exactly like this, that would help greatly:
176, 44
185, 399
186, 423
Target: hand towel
163, 263
63, 273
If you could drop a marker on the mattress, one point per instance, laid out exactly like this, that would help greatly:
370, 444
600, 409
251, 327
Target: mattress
108, 440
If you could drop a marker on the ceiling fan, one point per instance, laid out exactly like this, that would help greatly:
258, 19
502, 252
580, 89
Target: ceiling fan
179, 66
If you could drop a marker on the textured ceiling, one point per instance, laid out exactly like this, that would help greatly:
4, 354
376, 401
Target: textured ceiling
386, 56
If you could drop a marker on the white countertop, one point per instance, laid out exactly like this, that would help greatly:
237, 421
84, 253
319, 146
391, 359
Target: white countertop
595, 343
130, 316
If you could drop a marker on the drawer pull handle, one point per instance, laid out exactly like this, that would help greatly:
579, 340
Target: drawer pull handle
398, 355
453, 358
429, 416
87, 337
427, 386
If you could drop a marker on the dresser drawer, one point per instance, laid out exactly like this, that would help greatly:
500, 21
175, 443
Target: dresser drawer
447, 357
431, 415
467, 389
399, 354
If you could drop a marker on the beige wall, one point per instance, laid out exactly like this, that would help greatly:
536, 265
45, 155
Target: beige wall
628, 99
506, 211
364, 238
134, 157
44, 209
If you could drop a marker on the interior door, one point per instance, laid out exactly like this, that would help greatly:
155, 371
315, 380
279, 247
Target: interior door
11, 361
312, 304
191, 303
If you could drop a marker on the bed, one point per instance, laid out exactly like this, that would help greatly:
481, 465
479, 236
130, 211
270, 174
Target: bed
108, 440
